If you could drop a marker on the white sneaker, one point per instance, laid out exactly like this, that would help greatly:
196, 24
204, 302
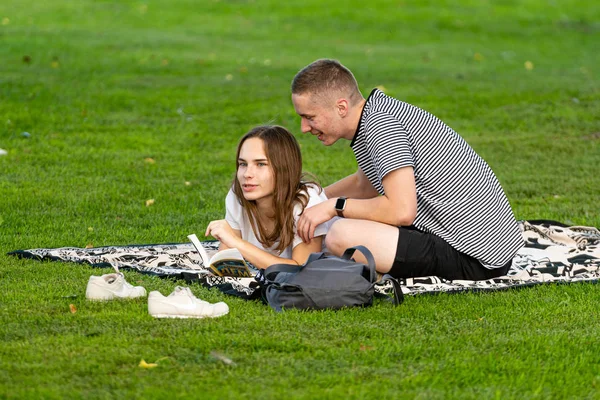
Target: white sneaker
183, 304
112, 286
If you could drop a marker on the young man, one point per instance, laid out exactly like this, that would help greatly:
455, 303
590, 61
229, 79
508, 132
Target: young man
422, 200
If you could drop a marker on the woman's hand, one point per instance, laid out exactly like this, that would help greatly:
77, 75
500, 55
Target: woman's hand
314, 216
222, 231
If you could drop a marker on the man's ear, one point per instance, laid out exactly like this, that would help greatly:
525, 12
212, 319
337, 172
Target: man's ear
342, 107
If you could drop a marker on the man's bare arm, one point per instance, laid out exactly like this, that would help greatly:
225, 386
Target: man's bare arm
399, 205
355, 186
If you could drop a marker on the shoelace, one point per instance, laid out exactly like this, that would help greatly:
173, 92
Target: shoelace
115, 266
184, 290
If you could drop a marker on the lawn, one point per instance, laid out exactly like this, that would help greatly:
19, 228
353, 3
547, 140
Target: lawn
107, 104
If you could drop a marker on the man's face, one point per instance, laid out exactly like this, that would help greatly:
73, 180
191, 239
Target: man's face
318, 118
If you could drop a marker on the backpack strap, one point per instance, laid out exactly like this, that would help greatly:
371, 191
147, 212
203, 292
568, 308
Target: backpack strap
398, 296
366, 252
368, 255
397, 292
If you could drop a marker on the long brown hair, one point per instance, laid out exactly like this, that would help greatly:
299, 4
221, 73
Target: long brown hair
285, 160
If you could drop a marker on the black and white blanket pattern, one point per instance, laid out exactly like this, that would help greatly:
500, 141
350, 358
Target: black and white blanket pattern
553, 252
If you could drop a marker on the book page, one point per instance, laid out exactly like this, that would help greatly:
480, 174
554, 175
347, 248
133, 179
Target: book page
229, 263
203, 255
229, 254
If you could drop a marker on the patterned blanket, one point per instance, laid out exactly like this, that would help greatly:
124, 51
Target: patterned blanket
553, 252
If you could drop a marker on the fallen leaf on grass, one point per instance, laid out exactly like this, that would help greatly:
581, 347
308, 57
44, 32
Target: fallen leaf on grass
528, 65
364, 347
225, 360
72, 308
144, 364
149, 160
149, 202
89, 246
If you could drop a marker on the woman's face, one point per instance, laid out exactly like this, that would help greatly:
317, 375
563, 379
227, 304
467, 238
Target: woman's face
254, 172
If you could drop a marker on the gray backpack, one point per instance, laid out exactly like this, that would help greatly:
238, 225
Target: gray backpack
324, 281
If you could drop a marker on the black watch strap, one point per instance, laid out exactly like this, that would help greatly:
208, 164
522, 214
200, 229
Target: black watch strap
340, 205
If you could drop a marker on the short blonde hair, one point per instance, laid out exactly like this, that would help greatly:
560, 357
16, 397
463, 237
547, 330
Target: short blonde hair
326, 78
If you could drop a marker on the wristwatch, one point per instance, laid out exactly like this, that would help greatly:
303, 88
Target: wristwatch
340, 206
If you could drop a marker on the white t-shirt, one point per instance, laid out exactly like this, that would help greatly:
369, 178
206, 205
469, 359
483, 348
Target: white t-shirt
238, 219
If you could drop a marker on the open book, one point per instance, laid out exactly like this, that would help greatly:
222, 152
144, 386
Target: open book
224, 263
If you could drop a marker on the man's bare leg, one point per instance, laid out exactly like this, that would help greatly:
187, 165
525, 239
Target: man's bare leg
380, 239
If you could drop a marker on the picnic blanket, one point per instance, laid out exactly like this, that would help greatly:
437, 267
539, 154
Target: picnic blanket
553, 252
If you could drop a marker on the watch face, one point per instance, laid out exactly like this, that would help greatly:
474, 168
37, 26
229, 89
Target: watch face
340, 204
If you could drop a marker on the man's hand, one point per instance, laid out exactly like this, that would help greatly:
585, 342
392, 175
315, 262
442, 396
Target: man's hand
313, 217
222, 231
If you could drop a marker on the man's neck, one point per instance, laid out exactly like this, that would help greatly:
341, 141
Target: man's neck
354, 119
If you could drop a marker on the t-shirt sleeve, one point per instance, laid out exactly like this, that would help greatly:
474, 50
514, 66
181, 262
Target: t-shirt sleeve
387, 143
314, 198
233, 211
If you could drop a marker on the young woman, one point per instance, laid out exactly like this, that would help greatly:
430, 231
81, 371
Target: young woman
267, 197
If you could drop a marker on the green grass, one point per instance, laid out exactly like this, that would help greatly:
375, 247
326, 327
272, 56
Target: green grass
100, 86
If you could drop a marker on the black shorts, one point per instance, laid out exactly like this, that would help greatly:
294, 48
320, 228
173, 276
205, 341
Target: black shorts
424, 254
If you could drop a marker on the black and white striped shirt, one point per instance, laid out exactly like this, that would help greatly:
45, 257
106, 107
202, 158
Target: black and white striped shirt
458, 196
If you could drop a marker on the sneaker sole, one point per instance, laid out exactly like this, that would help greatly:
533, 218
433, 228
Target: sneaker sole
111, 296
187, 316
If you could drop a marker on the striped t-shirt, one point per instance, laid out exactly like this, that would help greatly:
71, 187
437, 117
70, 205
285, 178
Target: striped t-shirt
458, 196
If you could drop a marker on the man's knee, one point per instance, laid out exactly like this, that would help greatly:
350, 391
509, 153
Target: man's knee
336, 238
